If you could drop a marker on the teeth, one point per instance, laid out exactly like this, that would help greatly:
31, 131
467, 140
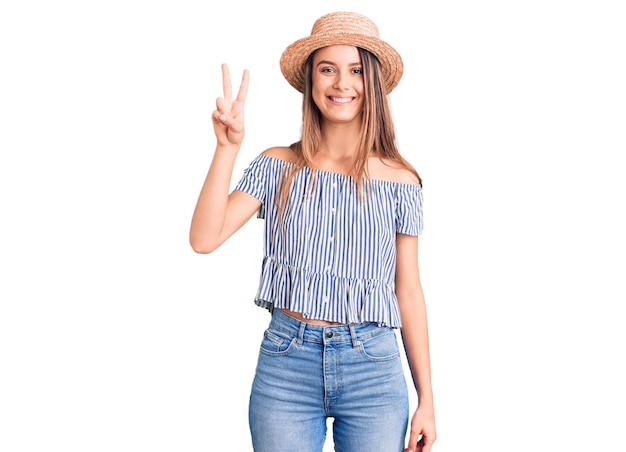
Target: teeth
341, 100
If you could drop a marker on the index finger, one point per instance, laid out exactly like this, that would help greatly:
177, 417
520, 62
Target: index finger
228, 91
243, 88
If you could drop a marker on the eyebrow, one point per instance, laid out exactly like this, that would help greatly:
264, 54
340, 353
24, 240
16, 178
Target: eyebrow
335, 64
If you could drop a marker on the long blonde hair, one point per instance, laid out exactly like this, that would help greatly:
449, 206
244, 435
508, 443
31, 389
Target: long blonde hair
378, 134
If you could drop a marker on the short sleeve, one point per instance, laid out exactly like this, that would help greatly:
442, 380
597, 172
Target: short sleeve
409, 210
254, 178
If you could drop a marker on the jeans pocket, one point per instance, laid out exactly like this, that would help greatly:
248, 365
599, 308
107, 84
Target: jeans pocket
381, 347
276, 343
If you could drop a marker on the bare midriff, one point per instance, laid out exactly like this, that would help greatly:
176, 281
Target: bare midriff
299, 316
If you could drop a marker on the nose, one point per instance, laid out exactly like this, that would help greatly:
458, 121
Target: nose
341, 81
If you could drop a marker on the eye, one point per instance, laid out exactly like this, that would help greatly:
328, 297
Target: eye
327, 70
358, 71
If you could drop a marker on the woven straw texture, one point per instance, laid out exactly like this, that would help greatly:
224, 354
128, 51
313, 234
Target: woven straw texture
345, 28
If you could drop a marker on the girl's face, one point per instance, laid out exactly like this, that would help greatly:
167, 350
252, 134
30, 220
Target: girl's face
337, 82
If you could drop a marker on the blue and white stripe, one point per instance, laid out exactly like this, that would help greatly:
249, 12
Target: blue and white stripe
332, 254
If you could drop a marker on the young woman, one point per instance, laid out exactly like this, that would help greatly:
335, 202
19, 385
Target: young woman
343, 211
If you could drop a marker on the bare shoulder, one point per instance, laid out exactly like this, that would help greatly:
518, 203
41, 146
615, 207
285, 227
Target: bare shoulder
279, 152
390, 170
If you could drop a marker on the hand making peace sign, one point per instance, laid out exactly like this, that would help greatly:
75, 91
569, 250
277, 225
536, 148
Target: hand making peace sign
228, 117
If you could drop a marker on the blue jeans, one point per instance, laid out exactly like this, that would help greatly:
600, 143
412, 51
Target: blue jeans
307, 373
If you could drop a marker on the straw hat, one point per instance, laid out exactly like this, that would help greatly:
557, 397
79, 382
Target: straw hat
341, 28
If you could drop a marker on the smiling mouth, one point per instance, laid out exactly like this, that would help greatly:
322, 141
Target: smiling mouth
341, 100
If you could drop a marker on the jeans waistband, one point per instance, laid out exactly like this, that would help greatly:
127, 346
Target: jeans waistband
310, 332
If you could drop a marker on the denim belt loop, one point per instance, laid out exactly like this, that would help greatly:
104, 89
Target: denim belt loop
301, 334
355, 340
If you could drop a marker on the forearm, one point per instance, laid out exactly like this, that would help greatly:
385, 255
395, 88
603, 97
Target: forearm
416, 344
210, 212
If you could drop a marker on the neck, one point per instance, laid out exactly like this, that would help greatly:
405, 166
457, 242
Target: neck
340, 141
337, 156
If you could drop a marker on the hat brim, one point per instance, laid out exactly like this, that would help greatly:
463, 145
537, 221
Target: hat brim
293, 59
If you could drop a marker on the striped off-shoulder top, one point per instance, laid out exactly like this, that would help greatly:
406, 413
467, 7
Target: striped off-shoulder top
332, 254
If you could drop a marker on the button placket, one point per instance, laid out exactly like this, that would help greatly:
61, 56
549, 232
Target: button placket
334, 196
333, 200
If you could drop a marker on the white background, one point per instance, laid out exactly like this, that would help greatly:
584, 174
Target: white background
115, 336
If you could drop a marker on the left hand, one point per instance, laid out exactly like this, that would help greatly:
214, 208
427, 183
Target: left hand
423, 431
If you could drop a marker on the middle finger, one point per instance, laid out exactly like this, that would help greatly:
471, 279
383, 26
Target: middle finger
228, 91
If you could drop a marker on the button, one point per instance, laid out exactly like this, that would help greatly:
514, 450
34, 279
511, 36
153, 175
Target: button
325, 298
329, 334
